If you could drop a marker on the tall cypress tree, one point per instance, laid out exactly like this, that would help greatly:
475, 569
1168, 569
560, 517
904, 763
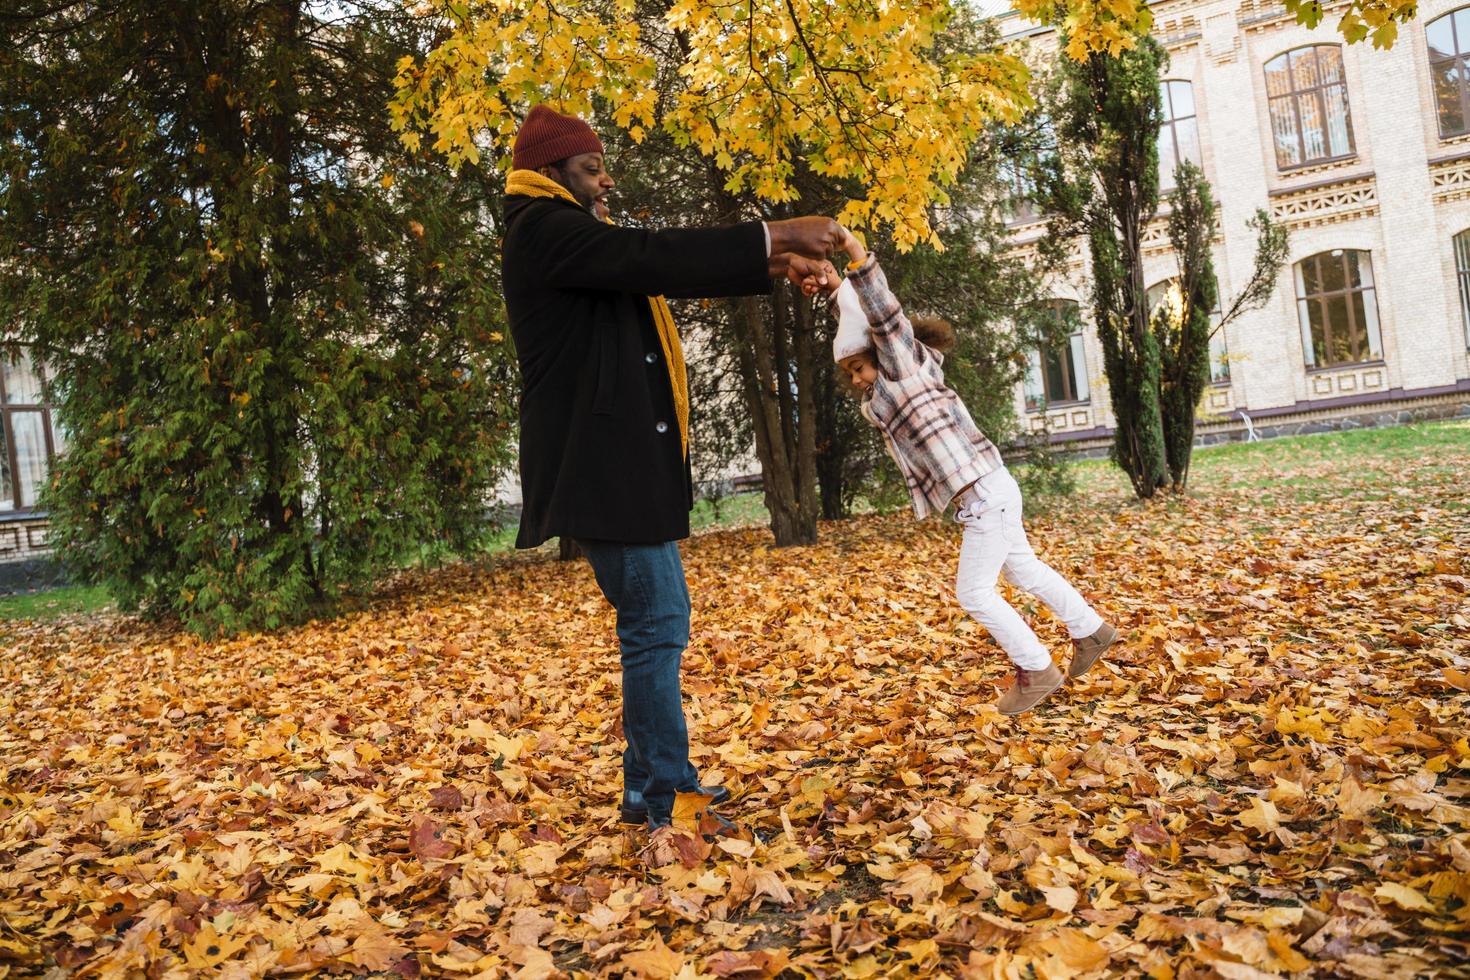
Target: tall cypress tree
274, 332
1103, 184
1108, 117
1184, 333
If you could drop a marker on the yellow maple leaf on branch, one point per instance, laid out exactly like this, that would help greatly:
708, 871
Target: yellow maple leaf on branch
892, 97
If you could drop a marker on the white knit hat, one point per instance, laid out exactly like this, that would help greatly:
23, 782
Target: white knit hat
852, 324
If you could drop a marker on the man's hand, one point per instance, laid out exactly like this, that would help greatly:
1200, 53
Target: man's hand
812, 275
815, 238
853, 246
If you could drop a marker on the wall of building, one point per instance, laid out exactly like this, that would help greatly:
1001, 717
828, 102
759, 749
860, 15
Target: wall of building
1401, 196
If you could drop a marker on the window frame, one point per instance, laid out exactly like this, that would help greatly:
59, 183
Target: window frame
1216, 315
7, 430
1081, 388
1460, 243
1461, 55
1372, 329
1170, 124
1293, 98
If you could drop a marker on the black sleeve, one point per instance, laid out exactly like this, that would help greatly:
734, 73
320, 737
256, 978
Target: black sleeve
579, 252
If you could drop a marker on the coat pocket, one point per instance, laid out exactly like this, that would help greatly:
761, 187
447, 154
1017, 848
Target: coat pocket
607, 369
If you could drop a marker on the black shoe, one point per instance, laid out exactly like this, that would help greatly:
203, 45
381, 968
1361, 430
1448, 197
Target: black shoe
635, 811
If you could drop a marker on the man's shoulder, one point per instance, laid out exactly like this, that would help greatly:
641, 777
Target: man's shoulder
520, 207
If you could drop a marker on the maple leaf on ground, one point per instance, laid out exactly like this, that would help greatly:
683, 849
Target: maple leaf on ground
655, 963
535, 963
446, 798
426, 839
1403, 896
340, 859
1260, 816
528, 926
689, 808
748, 966
208, 949
753, 885
1062, 898
1355, 802
376, 950
919, 883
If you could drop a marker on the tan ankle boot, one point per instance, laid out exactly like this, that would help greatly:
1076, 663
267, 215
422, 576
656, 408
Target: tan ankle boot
1028, 690
1089, 649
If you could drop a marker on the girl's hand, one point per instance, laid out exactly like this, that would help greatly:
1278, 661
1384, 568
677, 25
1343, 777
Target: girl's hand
853, 247
817, 276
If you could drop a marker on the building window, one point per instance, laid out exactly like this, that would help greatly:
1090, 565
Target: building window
1179, 135
1338, 307
1019, 203
1058, 375
1462, 274
1448, 39
1167, 293
29, 443
1309, 106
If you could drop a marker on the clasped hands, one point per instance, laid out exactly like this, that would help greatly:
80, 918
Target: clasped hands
800, 248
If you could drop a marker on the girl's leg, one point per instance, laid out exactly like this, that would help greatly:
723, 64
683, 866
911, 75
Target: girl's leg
1025, 570
983, 552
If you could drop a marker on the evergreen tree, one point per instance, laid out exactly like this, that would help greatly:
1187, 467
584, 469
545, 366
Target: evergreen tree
1103, 185
1184, 333
275, 333
1108, 116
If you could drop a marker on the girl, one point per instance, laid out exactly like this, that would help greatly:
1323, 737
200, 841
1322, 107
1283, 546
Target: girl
896, 365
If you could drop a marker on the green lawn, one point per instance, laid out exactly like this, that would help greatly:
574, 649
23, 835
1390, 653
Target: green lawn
64, 601
1289, 469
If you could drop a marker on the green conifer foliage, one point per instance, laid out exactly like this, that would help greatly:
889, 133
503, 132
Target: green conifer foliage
275, 333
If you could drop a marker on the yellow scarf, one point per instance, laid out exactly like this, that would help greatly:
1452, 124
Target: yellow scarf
531, 184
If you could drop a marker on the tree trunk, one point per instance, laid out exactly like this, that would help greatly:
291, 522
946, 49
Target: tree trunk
806, 410
788, 479
830, 459
567, 549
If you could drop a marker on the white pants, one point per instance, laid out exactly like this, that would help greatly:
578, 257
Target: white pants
994, 541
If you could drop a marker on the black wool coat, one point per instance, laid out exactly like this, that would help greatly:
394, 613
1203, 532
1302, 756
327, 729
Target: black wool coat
600, 455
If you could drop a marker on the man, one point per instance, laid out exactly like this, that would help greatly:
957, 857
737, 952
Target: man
604, 451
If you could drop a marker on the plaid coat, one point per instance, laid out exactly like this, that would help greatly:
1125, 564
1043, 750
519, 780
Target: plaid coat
928, 429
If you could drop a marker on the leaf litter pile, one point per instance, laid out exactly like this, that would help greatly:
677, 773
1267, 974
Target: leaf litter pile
1270, 776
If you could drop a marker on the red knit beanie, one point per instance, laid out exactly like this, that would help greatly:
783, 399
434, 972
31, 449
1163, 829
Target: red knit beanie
547, 137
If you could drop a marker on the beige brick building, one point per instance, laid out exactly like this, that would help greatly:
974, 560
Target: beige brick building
1365, 156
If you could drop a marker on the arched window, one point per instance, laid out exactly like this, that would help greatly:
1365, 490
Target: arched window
1168, 289
1179, 135
1338, 308
28, 440
1462, 275
1448, 39
1058, 375
1309, 106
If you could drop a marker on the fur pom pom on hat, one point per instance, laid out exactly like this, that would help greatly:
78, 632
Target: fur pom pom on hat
547, 136
852, 324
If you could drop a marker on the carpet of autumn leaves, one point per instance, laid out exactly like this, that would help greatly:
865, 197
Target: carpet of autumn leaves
1270, 777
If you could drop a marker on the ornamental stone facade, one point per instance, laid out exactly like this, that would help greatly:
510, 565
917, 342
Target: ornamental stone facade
1365, 156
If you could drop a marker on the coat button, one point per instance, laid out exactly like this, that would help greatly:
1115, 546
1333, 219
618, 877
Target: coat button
661, 428
651, 358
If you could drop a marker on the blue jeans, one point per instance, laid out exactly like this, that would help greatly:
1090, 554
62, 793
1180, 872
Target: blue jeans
645, 584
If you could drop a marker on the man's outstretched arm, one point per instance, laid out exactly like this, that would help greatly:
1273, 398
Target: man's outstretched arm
579, 252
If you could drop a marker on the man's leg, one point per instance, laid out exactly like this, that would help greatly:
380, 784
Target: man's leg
645, 584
